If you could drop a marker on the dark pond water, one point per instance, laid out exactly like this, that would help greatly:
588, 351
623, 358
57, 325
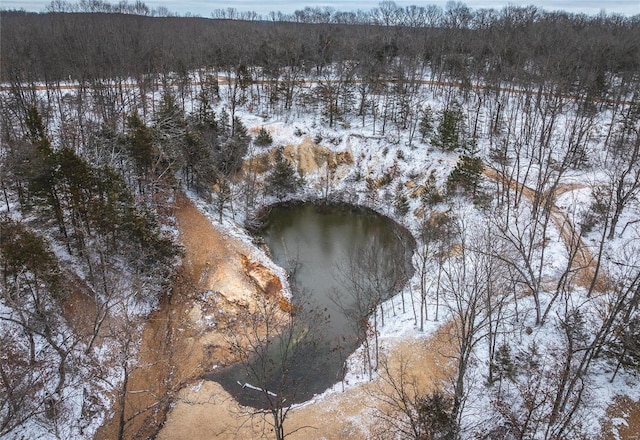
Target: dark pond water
336, 255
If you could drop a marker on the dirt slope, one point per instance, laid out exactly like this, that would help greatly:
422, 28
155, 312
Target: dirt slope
184, 338
206, 411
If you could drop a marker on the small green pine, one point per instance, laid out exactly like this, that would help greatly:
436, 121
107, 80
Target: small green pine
264, 138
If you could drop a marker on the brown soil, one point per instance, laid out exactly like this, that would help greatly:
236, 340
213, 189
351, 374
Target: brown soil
307, 156
208, 411
185, 337
625, 409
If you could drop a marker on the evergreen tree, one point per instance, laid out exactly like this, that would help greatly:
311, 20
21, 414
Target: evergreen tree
466, 175
42, 177
206, 117
264, 138
169, 118
229, 153
240, 132
199, 171
36, 130
450, 135
170, 130
436, 417
140, 146
426, 123
202, 148
502, 364
23, 254
282, 179
75, 183
222, 197
624, 345
401, 202
224, 125
431, 195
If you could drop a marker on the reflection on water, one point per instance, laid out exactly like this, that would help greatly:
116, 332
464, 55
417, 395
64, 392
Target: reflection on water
322, 245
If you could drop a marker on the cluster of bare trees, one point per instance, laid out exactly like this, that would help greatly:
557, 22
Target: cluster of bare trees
491, 272
476, 269
99, 6
516, 45
368, 279
369, 71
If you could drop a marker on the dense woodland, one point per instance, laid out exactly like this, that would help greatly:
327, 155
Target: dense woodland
525, 47
109, 110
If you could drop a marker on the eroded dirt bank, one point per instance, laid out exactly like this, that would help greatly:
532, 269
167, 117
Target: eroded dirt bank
185, 337
206, 411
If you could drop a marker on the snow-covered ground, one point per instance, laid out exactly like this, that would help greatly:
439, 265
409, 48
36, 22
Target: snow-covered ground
377, 155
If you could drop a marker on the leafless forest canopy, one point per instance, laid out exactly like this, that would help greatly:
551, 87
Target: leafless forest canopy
523, 46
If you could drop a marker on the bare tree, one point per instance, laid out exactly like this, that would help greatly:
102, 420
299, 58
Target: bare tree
368, 279
409, 409
623, 165
435, 239
467, 280
281, 350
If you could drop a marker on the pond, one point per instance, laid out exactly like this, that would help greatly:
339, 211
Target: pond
343, 261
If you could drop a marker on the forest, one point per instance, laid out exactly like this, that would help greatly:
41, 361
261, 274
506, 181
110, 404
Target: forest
507, 142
